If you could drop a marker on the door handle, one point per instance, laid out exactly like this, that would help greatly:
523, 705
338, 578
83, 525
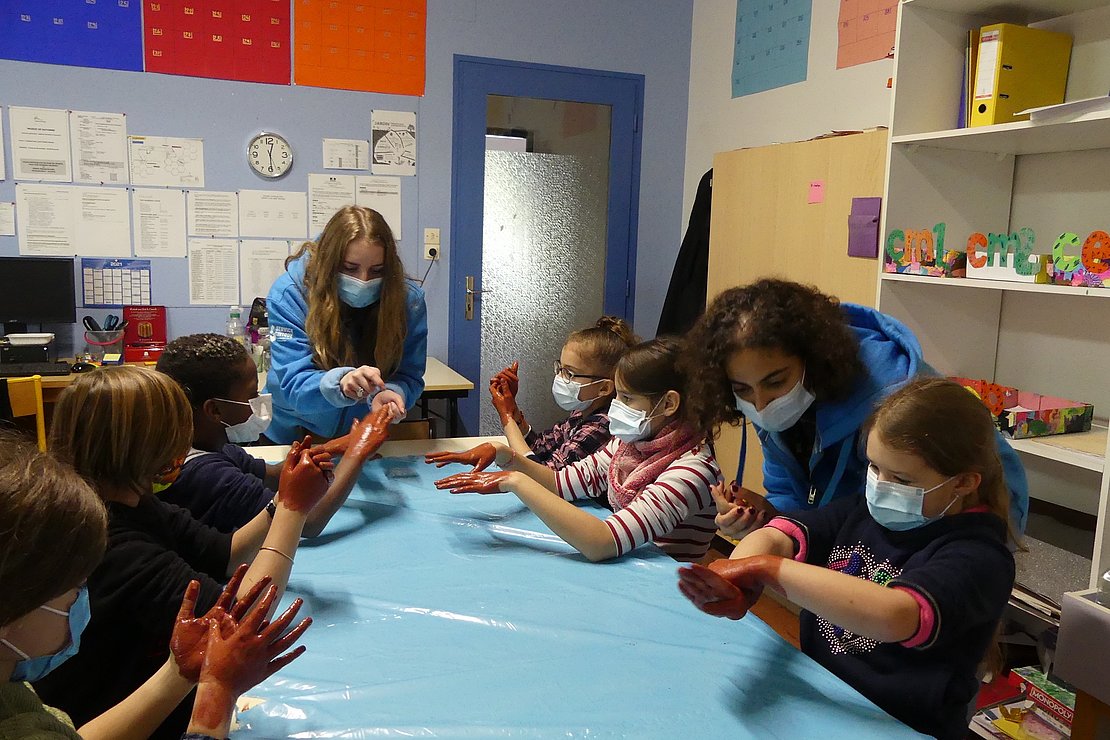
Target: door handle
470, 293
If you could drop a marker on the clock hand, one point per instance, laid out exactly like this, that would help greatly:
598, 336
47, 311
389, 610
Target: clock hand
271, 155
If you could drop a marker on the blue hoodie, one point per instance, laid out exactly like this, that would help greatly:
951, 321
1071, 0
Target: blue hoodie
306, 396
891, 357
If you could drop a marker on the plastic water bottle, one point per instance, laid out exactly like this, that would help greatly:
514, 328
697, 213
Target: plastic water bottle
235, 328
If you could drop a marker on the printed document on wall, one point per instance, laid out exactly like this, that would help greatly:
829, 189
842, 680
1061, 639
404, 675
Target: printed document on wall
7, 218
3, 165
45, 216
213, 213
383, 194
158, 219
261, 262
273, 213
166, 161
69, 220
346, 154
393, 142
326, 195
102, 223
40, 144
99, 144
213, 272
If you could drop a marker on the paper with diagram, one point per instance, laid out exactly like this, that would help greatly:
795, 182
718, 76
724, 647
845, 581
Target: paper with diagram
393, 142
166, 161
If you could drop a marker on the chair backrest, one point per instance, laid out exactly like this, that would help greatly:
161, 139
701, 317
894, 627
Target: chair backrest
21, 397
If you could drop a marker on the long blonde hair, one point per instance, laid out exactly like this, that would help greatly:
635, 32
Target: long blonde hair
330, 347
121, 426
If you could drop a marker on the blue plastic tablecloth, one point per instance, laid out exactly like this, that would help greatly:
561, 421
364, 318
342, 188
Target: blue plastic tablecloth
463, 616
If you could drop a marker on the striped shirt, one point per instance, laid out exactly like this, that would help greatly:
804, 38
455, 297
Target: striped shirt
675, 512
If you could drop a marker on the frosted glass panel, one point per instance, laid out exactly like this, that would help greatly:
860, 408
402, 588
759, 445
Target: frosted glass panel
543, 265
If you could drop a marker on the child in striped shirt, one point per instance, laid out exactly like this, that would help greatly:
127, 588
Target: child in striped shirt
656, 472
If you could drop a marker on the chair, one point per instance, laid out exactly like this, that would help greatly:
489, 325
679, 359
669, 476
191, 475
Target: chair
21, 397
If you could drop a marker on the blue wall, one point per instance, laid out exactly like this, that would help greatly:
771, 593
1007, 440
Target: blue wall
648, 38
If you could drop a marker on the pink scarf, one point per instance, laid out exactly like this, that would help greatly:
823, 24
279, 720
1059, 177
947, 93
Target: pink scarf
637, 465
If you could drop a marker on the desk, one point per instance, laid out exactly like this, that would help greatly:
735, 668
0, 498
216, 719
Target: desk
440, 381
463, 616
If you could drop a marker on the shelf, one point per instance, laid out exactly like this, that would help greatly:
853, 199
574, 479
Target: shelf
1030, 11
1080, 449
1083, 132
1013, 287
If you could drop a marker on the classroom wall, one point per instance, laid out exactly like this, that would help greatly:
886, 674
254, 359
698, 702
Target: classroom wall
829, 99
618, 35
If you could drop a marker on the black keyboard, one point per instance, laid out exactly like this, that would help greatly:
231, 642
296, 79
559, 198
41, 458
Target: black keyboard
20, 369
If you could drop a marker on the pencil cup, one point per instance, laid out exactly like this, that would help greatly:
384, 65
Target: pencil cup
97, 343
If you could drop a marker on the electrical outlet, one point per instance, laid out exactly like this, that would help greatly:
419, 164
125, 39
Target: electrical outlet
431, 244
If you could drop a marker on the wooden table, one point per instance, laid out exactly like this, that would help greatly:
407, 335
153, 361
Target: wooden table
440, 381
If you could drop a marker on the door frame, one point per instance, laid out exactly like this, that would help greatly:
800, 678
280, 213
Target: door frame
475, 78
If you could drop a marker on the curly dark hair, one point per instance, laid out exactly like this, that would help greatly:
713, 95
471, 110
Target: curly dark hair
797, 319
203, 365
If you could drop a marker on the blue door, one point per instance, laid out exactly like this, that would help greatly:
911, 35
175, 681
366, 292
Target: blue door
545, 187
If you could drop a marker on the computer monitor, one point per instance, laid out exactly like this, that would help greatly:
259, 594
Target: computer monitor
36, 290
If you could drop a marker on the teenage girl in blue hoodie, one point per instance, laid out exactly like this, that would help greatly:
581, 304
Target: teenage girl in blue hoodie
349, 331
807, 371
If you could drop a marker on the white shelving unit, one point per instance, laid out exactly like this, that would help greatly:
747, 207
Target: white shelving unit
1048, 176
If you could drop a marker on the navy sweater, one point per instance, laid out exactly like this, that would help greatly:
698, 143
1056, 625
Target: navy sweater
959, 570
222, 489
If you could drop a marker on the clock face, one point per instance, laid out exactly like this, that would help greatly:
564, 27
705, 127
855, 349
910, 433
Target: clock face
270, 155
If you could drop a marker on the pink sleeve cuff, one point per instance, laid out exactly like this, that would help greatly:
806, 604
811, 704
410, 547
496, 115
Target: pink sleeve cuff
926, 619
794, 532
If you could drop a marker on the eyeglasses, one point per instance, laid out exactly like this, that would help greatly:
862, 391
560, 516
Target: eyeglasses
565, 374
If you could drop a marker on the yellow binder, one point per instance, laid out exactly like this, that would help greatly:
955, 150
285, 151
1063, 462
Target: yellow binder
1017, 68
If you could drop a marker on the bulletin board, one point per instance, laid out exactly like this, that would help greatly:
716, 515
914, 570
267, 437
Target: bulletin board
764, 225
365, 45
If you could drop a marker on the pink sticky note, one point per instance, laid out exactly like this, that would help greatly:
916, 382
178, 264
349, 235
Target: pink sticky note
816, 192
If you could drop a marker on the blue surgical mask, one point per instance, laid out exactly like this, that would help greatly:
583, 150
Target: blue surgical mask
897, 506
782, 413
628, 424
359, 293
34, 669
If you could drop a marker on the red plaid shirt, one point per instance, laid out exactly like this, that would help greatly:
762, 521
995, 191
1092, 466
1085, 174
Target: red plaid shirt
576, 437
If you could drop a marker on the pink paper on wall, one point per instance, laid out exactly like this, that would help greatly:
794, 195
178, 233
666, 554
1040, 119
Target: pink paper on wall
816, 192
865, 31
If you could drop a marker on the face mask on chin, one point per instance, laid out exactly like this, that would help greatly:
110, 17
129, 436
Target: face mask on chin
254, 427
